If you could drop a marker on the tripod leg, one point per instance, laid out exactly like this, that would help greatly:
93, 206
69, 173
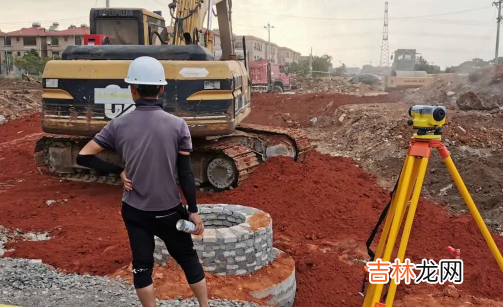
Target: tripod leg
423, 164
387, 225
392, 225
415, 173
471, 205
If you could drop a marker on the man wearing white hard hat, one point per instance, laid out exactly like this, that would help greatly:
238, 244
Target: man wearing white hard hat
153, 144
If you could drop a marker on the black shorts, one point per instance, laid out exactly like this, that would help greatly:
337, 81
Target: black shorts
142, 226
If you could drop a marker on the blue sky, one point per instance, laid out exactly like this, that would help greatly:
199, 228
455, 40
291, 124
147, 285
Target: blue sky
349, 31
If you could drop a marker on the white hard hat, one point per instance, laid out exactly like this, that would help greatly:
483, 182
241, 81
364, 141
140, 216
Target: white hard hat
146, 70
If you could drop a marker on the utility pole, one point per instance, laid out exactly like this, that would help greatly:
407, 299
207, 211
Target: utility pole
498, 4
268, 51
108, 3
384, 44
311, 62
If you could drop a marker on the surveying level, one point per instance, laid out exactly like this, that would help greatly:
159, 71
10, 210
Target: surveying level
428, 120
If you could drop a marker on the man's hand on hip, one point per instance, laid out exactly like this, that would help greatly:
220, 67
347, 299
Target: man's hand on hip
128, 185
194, 217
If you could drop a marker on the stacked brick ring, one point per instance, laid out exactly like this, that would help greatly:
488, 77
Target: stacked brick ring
237, 240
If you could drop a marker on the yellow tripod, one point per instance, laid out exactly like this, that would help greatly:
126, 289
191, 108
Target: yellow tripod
428, 120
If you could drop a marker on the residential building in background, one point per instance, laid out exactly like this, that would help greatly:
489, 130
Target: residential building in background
57, 41
53, 41
47, 42
257, 49
287, 55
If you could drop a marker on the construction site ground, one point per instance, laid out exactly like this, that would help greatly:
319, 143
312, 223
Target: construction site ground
323, 209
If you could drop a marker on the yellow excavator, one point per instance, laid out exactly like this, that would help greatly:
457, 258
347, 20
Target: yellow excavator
86, 89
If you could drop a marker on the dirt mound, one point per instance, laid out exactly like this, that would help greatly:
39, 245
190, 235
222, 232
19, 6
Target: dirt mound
332, 85
378, 136
480, 90
16, 84
304, 110
19, 98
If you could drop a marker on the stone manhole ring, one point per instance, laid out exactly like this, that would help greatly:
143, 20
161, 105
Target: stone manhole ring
237, 240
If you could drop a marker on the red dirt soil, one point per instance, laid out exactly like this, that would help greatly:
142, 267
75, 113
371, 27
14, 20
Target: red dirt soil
170, 280
297, 110
323, 211
22, 127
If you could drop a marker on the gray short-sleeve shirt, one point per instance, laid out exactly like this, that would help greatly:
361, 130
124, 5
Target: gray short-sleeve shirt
148, 140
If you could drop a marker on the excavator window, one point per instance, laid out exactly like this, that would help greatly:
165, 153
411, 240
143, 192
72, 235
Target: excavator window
122, 31
156, 26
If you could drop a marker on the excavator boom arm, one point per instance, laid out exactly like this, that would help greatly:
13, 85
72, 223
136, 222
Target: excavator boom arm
189, 22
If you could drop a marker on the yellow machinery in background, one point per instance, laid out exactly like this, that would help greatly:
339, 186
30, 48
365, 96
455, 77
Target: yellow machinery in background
86, 89
403, 74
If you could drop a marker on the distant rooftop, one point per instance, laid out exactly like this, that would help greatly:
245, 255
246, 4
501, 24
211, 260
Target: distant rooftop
37, 30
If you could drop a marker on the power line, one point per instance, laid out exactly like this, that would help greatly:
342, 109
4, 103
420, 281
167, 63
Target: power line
248, 26
369, 33
419, 34
369, 19
49, 20
408, 18
159, 2
377, 47
450, 22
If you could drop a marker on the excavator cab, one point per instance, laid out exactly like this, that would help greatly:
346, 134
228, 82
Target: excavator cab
119, 26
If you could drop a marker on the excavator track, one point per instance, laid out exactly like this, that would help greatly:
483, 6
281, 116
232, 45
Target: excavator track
269, 133
52, 150
223, 163
237, 156
244, 161
221, 173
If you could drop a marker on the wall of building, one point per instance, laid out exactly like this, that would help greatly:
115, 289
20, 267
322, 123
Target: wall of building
257, 49
58, 44
287, 55
18, 45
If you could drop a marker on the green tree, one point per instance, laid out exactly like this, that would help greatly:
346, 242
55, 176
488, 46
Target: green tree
320, 63
423, 65
450, 70
301, 67
341, 70
32, 63
323, 63
469, 66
